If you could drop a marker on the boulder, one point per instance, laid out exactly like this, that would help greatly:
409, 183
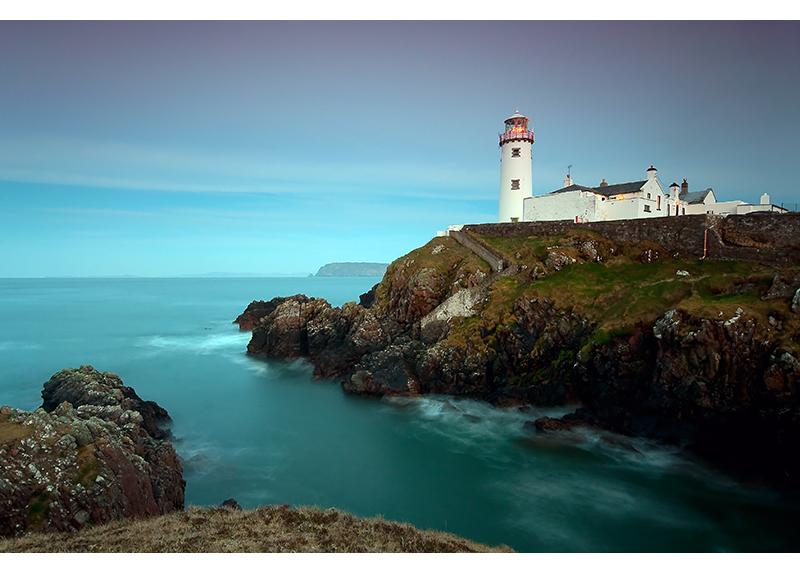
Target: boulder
69, 465
87, 387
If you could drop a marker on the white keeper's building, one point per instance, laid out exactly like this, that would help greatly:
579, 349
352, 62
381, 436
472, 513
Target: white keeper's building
636, 199
606, 202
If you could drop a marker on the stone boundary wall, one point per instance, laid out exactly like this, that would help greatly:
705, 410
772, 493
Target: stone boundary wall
763, 237
492, 257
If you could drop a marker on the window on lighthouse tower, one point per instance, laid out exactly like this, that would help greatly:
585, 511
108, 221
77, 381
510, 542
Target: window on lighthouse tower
515, 152
514, 184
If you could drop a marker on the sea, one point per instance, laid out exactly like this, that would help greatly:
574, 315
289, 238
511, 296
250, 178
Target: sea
266, 432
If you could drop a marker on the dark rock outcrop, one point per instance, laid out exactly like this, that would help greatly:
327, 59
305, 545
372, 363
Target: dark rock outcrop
231, 504
256, 311
91, 454
367, 299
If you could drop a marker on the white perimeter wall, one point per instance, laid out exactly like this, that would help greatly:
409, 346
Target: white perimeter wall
716, 208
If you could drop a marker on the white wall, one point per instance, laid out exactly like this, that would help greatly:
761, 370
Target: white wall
627, 208
716, 208
748, 208
561, 206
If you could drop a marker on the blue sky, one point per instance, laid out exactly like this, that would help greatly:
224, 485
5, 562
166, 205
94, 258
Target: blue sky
172, 148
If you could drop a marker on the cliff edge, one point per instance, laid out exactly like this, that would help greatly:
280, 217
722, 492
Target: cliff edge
643, 339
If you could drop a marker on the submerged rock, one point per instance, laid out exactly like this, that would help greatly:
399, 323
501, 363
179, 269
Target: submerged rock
95, 456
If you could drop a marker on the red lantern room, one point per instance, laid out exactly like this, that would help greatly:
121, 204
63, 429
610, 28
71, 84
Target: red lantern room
516, 129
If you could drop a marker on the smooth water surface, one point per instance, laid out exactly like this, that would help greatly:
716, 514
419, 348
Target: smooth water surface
264, 432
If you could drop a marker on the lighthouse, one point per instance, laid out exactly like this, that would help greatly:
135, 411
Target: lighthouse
516, 155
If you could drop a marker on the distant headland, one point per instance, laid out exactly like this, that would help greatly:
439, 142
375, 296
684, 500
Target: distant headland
352, 270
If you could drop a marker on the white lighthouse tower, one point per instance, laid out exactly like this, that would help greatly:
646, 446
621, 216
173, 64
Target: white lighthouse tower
515, 167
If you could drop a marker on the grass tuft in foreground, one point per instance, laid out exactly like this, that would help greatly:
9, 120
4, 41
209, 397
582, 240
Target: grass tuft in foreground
267, 529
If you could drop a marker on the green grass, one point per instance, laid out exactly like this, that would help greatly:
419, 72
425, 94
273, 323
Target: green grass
87, 472
38, 510
620, 291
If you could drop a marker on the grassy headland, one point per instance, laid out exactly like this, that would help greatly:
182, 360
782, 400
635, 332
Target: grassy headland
612, 287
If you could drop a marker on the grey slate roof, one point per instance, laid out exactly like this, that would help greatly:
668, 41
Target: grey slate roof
572, 187
618, 188
694, 197
606, 190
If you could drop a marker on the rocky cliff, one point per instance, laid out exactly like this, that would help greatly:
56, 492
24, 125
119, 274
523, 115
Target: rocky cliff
92, 453
643, 339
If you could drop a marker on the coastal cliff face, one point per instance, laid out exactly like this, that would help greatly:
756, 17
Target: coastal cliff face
92, 453
642, 339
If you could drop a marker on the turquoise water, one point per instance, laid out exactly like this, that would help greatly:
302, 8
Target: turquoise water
265, 432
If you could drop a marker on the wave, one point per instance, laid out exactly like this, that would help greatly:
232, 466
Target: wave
18, 346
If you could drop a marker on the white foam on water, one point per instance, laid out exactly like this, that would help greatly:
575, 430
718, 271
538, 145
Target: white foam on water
204, 343
273, 368
466, 424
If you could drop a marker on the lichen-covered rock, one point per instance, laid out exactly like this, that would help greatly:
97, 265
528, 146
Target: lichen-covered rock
82, 464
103, 395
284, 332
558, 259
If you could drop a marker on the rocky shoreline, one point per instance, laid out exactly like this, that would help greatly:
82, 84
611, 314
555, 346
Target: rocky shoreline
94, 452
704, 356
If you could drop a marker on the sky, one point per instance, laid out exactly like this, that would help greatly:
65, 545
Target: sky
168, 148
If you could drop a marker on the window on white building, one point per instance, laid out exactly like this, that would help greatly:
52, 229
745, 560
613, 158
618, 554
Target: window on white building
647, 208
515, 152
514, 184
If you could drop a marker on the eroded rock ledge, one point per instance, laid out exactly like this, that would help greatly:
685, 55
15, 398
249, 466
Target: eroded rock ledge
91, 454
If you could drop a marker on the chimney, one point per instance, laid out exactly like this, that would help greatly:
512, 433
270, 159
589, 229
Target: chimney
673, 190
651, 173
568, 181
684, 187
765, 199
603, 183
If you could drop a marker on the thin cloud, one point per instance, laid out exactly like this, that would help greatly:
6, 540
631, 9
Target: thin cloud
71, 161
